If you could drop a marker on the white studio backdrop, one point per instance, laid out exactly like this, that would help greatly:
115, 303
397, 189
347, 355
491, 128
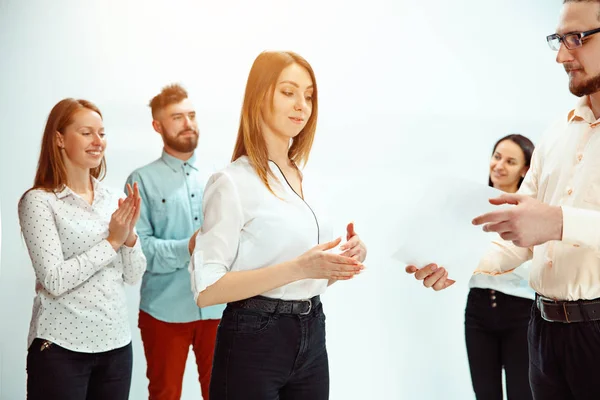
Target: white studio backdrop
407, 90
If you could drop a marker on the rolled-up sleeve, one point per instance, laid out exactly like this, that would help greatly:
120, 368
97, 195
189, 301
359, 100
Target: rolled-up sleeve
217, 241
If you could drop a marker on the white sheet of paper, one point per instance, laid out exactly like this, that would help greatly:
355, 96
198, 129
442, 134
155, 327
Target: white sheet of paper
439, 229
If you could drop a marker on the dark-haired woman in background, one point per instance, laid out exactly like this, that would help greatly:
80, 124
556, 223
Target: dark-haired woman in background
498, 307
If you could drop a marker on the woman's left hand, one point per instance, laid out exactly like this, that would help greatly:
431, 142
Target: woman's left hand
134, 193
354, 247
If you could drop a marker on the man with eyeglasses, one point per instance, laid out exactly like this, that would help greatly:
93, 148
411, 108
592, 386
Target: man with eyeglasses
556, 221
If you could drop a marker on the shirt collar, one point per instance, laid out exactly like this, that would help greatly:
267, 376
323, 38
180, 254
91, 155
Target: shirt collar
175, 163
583, 112
98, 189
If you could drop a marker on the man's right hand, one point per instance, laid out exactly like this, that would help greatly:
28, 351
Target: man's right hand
192, 242
432, 276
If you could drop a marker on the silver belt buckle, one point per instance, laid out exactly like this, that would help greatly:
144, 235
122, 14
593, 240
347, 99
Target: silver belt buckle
544, 300
309, 301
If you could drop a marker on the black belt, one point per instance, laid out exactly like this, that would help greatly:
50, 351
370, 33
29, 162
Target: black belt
275, 306
568, 311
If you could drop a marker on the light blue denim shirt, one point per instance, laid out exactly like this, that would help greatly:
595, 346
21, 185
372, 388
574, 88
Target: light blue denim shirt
171, 191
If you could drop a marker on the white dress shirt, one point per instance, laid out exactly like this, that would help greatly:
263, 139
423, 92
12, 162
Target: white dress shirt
80, 299
246, 227
565, 172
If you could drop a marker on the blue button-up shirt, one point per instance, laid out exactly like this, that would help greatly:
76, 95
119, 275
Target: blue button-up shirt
171, 191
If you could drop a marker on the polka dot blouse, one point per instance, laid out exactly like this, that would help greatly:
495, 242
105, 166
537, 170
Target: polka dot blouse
80, 299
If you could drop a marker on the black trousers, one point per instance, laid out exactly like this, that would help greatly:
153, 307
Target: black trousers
564, 359
54, 372
269, 356
496, 335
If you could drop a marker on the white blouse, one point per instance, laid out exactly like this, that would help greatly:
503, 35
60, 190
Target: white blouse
80, 299
246, 227
513, 284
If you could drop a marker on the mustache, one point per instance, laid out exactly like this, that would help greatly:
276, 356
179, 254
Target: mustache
194, 131
570, 67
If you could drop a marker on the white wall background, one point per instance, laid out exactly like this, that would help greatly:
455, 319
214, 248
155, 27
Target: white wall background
406, 89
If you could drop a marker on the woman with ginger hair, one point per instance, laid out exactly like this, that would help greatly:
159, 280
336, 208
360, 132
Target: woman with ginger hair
82, 243
262, 248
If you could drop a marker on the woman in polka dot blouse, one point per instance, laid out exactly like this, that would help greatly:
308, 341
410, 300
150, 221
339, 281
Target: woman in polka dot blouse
82, 243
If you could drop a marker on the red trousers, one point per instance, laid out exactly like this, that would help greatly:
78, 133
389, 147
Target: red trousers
167, 345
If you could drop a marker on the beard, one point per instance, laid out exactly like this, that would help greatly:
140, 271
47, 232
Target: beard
585, 88
180, 143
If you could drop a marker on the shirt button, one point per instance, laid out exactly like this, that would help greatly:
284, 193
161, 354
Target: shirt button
494, 305
549, 263
187, 173
492, 291
192, 194
575, 245
196, 219
184, 163
493, 297
579, 157
570, 191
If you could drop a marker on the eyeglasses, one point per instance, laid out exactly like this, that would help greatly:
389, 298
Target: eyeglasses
570, 40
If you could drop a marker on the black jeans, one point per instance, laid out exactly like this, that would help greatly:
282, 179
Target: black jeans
565, 359
264, 356
496, 335
57, 373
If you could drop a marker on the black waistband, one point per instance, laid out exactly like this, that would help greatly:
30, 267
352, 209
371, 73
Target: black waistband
276, 306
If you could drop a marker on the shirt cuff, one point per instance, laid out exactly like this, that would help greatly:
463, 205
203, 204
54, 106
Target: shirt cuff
182, 251
580, 227
202, 275
130, 252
